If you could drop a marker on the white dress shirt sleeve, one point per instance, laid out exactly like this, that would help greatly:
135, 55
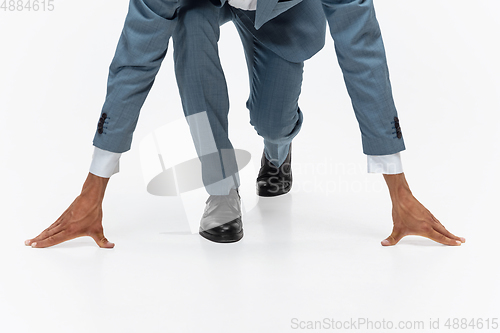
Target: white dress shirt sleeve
386, 164
243, 4
105, 163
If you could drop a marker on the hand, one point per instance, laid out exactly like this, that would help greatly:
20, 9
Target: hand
410, 217
82, 218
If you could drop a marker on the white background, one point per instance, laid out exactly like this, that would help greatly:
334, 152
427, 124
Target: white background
312, 254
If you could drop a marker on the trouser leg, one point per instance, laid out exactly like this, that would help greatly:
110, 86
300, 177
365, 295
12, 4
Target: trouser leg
140, 51
203, 90
275, 86
361, 55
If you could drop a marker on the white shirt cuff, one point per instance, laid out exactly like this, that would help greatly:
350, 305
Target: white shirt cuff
243, 4
105, 163
386, 164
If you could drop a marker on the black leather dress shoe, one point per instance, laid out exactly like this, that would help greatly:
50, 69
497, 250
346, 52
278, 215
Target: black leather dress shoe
226, 233
221, 221
273, 181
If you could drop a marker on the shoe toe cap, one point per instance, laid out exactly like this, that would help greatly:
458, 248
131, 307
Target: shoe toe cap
232, 227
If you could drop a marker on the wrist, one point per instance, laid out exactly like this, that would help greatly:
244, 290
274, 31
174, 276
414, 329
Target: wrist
398, 186
95, 186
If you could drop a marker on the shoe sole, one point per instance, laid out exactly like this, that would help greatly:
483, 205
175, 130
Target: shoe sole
263, 192
221, 239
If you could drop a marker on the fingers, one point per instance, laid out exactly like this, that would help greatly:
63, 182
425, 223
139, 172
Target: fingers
442, 230
51, 240
440, 238
393, 239
50, 231
102, 241
432, 229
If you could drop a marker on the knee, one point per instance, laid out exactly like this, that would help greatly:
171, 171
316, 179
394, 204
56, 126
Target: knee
275, 127
274, 132
270, 133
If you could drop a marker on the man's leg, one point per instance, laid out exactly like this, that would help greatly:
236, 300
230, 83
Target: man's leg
203, 91
205, 101
275, 86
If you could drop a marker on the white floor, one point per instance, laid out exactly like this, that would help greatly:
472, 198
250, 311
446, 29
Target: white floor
307, 258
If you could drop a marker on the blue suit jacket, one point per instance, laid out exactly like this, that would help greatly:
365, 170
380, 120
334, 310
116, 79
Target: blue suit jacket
293, 29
